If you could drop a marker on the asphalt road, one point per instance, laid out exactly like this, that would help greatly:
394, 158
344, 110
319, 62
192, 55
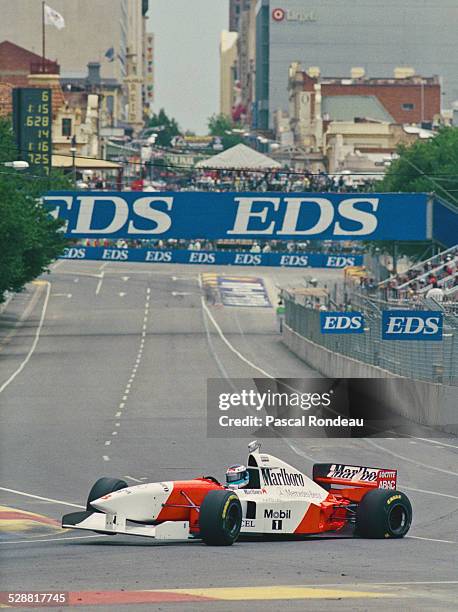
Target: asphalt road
103, 372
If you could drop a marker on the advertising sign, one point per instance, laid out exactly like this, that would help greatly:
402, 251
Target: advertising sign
182, 256
32, 120
208, 215
341, 322
412, 325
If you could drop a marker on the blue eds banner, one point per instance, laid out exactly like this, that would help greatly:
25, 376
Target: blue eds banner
288, 260
412, 324
265, 216
341, 322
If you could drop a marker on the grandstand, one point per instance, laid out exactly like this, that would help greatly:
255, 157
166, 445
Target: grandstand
440, 271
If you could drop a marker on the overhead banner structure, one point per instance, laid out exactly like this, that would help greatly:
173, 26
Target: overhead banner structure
225, 258
264, 216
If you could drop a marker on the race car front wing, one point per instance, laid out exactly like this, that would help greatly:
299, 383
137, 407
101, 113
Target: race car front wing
115, 523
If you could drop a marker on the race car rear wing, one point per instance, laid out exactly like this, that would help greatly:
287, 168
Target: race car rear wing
354, 475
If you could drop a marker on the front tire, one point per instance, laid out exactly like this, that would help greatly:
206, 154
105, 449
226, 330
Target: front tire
102, 487
220, 518
383, 514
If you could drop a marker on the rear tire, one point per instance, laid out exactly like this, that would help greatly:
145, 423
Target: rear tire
102, 487
220, 518
383, 514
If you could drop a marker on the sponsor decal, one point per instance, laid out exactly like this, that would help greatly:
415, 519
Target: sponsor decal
352, 472
386, 479
281, 477
269, 513
265, 458
341, 322
392, 499
277, 525
165, 487
412, 325
254, 491
248, 523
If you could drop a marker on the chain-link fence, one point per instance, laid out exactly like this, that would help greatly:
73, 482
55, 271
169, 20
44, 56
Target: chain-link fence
421, 360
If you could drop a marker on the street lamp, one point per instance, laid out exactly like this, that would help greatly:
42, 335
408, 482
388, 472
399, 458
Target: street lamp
17, 165
73, 152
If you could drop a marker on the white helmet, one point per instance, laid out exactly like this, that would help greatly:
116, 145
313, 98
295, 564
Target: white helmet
237, 476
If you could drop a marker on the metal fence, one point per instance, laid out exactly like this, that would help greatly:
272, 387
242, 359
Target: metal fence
419, 360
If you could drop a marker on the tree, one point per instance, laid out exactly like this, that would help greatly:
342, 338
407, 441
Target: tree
426, 166
167, 128
222, 126
30, 238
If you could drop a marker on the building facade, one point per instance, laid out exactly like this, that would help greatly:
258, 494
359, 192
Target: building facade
337, 36
109, 32
228, 72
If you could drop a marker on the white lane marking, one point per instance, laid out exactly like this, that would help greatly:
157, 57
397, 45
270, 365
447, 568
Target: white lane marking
180, 293
404, 458
132, 478
429, 492
125, 278
35, 340
148, 290
124, 398
49, 499
114, 433
431, 539
76, 280
117, 424
103, 265
122, 294
99, 284
67, 295
121, 405
106, 458
107, 442
228, 344
61, 539
436, 442
118, 414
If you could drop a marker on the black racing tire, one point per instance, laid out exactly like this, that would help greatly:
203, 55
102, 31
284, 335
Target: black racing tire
220, 518
383, 514
102, 487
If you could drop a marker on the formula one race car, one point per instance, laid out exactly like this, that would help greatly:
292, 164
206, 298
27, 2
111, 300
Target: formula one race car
278, 500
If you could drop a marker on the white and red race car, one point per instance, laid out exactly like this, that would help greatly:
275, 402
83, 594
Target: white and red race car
279, 500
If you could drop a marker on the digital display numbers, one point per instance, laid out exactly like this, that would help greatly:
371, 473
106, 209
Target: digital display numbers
32, 118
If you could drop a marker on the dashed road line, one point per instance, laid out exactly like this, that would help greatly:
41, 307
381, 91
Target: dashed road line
133, 372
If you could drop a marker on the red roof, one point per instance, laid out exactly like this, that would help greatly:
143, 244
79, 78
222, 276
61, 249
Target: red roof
16, 59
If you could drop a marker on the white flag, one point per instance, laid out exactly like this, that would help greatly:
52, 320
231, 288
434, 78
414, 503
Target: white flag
54, 18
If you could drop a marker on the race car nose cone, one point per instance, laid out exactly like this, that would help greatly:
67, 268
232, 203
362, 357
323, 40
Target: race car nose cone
139, 503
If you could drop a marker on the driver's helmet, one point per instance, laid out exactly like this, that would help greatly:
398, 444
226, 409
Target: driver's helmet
237, 476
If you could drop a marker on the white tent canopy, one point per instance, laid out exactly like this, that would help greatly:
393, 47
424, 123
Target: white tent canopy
239, 157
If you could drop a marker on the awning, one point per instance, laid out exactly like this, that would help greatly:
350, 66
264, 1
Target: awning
83, 163
239, 157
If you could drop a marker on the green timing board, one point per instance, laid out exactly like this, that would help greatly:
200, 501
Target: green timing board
32, 123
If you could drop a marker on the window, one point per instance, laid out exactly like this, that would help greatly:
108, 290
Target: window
408, 106
66, 127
